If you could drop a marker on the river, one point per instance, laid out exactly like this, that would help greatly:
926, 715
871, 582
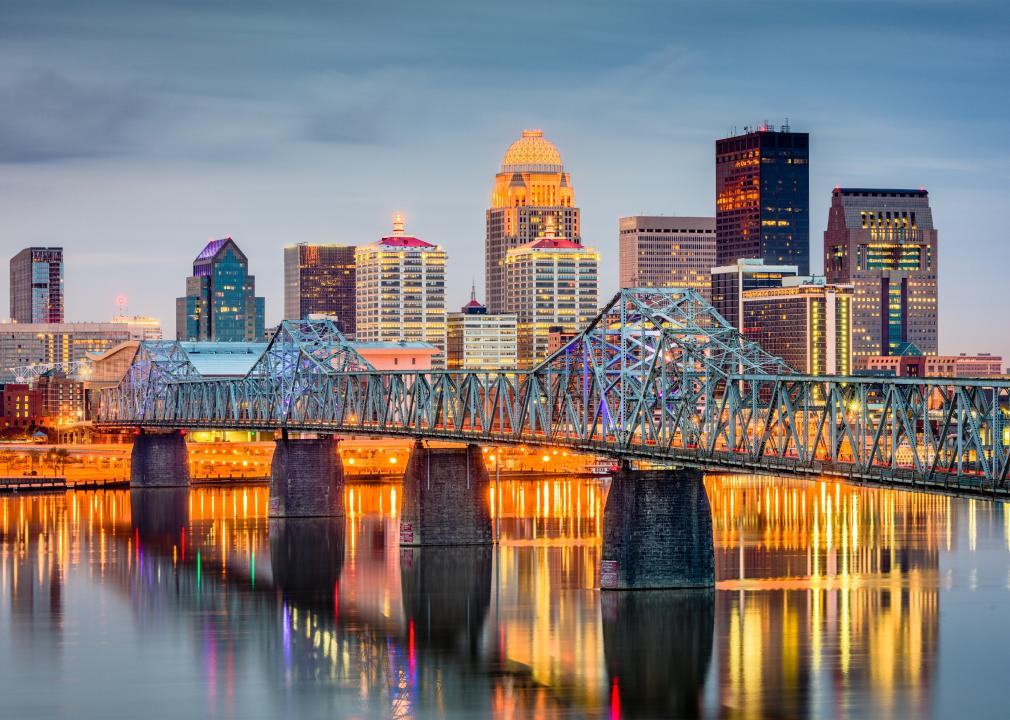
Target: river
831, 601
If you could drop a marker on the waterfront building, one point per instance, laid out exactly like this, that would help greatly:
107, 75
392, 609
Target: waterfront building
319, 280
531, 186
62, 399
36, 285
23, 344
20, 406
806, 322
552, 282
220, 304
951, 366
109, 367
399, 355
667, 251
141, 327
762, 193
730, 282
400, 290
479, 341
883, 243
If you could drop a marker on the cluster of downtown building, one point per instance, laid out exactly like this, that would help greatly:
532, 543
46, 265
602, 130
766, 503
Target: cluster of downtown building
874, 309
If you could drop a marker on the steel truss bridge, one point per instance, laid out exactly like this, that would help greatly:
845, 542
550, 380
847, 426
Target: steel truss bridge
658, 376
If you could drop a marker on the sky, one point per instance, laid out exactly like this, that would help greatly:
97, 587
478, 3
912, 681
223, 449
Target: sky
133, 132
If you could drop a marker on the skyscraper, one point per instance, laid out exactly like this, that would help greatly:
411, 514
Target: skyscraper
730, 282
806, 322
400, 291
37, 285
553, 283
220, 302
883, 243
667, 251
531, 185
319, 279
762, 205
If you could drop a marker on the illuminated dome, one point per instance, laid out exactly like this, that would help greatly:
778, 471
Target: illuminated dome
532, 153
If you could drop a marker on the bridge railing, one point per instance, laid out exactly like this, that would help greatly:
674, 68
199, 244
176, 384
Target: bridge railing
936, 430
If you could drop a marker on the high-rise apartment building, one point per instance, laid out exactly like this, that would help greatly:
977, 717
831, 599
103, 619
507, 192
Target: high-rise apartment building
220, 302
806, 322
552, 283
667, 251
319, 280
762, 198
531, 186
37, 285
400, 295
883, 243
730, 282
478, 341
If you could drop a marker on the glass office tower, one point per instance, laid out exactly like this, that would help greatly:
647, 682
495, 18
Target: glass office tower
220, 302
763, 198
37, 285
882, 241
319, 280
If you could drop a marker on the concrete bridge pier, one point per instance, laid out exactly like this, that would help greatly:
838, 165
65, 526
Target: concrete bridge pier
445, 498
657, 532
159, 459
306, 478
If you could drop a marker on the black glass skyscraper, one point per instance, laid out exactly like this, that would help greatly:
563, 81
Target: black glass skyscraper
763, 198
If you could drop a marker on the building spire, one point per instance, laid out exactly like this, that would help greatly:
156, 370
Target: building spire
473, 290
397, 224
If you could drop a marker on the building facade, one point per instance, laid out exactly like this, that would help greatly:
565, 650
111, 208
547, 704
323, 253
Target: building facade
20, 407
37, 285
531, 186
950, 366
400, 291
141, 327
319, 280
552, 282
478, 341
883, 243
762, 191
667, 251
24, 344
804, 322
220, 304
730, 282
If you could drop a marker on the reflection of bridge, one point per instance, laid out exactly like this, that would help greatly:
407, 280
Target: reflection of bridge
658, 376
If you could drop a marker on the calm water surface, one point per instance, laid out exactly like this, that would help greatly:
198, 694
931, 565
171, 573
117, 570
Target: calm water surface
831, 601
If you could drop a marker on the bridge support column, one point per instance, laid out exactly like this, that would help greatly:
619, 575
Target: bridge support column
445, 498
306, 478
657, 532
159, 460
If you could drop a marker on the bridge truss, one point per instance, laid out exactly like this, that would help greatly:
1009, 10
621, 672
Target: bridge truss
658, 376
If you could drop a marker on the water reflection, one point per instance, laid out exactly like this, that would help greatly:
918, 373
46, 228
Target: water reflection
192, 603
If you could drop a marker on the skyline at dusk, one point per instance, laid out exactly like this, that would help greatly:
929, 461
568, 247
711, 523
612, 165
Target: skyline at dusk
278, 127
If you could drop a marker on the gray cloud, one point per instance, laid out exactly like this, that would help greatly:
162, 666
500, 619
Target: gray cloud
49, 117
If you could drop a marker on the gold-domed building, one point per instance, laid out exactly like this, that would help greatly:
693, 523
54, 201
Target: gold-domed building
531, 185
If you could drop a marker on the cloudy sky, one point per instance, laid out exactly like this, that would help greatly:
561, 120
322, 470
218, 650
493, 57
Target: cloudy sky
132, 132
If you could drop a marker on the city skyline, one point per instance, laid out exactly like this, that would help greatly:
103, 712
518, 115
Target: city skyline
329, 170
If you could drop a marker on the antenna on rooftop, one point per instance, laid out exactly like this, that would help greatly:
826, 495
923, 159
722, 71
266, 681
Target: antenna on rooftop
786, 127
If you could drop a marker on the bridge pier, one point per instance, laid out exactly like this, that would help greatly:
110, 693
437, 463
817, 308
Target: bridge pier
306, 478
657, 532
159, 460
445, 498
